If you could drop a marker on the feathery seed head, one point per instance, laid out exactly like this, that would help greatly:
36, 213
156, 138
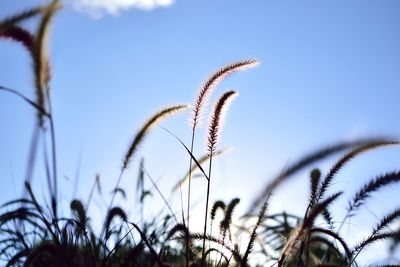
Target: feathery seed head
217, 119
212, 82
18, 34
148, 125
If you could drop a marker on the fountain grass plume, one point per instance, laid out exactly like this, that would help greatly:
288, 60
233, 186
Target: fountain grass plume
147, 126
217, 120
139, 137
40, 54
214, 130
20, 35
36, 44
201, 101
212, 82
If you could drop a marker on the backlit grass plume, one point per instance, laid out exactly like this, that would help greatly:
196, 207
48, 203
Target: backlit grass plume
141, 134
225, 224
212, 82
214, 130
200, 102
35, 44
217, 120
40, 55
147, 126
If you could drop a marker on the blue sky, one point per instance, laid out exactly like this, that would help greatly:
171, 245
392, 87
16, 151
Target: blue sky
329, 72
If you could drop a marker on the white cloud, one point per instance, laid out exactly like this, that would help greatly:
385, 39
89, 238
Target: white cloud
114, 7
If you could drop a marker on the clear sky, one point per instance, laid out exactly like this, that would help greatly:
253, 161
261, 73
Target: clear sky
330, 71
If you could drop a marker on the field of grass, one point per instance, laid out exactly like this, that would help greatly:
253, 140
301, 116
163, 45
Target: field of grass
35, 232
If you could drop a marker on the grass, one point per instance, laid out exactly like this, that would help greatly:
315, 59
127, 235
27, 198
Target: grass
33, 233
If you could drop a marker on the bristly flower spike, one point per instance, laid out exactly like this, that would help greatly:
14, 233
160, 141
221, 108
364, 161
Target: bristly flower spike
148, 125
200, 102
215, 127
20, 35
212, 82
217, 120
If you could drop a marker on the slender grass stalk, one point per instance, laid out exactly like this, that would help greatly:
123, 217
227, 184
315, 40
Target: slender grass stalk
161, 194
201, 101
54, 160
32, 155
215, 127
206, 214
48, 171
95, 182
201, 161
188, 200
34, 139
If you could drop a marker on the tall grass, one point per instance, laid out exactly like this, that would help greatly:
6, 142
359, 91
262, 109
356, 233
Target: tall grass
35, 233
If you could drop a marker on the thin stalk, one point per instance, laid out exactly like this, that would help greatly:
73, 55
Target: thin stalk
47, 169
32, 156
53, 154
206, 213
188, 204
343, 221
54, 161
209, 245
141, 200
91, 194
161, 194
302, 243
